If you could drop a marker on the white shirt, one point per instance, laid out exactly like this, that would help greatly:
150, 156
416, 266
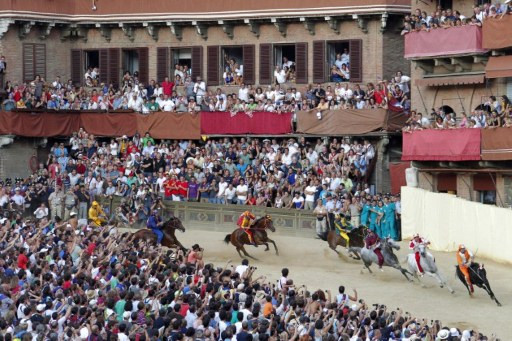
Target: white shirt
230, 193
114, 148
18, 199
222, 188
311, 189
168, 105
41, 212
280, 76
243, 94
241, 269
345, 59
200, 88
241, 189
297, 201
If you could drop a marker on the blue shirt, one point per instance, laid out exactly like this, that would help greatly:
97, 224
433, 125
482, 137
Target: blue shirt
153, 222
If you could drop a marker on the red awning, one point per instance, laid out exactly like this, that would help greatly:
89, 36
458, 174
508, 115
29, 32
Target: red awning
442, 81
498, 67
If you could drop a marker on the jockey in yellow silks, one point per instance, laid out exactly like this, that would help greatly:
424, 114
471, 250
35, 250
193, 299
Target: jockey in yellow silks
342, 227
96, 214
244, 222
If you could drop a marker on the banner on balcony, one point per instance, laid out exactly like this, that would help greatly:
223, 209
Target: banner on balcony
441, 42
497, 32
46, 124
349, 122
441, 145
257, 123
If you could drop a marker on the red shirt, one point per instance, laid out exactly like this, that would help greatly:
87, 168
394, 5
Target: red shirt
22, 261
170, 188
182, 188
91, 248
168, 86
17, 96
132, 149
80, 169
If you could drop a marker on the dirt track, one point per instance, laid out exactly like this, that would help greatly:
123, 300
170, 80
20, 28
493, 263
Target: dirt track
312, 263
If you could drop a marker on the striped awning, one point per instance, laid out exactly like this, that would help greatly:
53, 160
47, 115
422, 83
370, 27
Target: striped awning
445, 81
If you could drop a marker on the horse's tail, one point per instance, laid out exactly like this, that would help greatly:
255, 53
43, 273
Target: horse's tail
227, 239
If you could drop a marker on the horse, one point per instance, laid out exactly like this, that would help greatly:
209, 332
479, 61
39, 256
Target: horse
428, 265
168, 228
239, 237
356, 238
478, 277
390, 259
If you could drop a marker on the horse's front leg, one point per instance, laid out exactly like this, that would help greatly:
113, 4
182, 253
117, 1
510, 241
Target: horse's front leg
267, 247
275, 246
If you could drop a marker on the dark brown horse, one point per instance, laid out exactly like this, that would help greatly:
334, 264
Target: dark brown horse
356, 239
239, 237
168, 228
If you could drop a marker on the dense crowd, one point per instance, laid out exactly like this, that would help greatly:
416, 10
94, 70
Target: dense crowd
446, 18
66, 280
284, 173
193, 95
495, 112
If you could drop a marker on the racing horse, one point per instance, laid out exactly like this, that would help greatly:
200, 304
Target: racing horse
356, 239
478, 277
239, 237
428, 264
390, 259
168, 228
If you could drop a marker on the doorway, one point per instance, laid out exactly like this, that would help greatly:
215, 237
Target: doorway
130, 61
92, 59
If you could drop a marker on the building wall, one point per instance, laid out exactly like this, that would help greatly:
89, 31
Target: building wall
15, 157
393, 50
460, 98
375, 66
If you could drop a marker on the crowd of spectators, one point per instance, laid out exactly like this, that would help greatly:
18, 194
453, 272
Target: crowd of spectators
446, 18
193, 96
66, 280
282, 173
495, 112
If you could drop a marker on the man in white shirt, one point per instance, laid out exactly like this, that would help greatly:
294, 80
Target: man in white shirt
220, 105
338, 62
280, 75
287, 62
403, 81
345, 57
310, 191
242, 268
241, 192
136, 103
167, 104
199, 90
222, 188
230, 194
243, 93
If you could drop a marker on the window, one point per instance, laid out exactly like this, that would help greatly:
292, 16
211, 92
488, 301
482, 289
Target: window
284, 57
92, 59
232, 65
508, 191
345, 55
445, 4
181, 64
338, 55
487, 197
130, 61
485, 184
34, 61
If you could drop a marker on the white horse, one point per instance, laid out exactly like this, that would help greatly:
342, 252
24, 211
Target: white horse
429, 266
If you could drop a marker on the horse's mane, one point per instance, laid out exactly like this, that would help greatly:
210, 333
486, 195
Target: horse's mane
257, 221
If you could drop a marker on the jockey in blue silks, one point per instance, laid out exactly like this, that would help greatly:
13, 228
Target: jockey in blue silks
155, 224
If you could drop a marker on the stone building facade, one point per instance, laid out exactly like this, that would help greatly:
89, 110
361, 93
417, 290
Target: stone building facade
62, 40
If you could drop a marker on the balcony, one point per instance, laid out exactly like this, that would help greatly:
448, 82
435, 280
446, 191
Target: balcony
497, 33
464, 40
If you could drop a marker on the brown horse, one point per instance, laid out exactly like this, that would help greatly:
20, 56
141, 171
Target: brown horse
168, 228
356, 239
239, 237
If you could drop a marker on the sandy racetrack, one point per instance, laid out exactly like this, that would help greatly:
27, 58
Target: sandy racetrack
312, 263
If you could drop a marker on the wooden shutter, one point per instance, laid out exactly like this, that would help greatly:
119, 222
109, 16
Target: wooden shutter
265, 63
76, 66
484, 182
40, 60
113, 66
249, 61
103, 61
28, 63
319, 61
301, 63
356, 60
143, 65
446, 182
162, 63
197, 62
213, 66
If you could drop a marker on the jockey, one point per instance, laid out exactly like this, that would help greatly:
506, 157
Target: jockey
414, 245
244, 221
464, 259
96, 214
155, 224
342, 227
372, 242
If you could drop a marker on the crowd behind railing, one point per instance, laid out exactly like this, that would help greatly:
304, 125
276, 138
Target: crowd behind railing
195, 96
493, 113
281, 173
446, 18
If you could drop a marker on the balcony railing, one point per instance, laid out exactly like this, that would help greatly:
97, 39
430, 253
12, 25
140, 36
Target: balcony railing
497, 32
444, 42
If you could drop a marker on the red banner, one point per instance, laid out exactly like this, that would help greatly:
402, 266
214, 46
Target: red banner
397, 175
441, 145
437, 42
261, 123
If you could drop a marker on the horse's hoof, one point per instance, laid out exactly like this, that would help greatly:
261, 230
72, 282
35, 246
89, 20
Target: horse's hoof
442, 286
499, 304
452, 291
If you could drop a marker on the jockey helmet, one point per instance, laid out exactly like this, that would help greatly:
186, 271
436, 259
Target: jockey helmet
417, 235
155, 212
246, 213
95, 204
462, 247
